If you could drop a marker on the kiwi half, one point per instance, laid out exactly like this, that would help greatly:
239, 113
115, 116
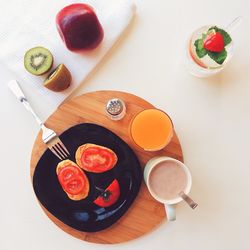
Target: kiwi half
38, 61
59, 79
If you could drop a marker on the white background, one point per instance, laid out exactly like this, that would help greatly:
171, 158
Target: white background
211, 118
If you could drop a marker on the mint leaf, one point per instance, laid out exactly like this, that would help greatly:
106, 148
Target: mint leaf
226, 36
199, 48
218, 57
213, 28
204, 35
201, 53
210, 31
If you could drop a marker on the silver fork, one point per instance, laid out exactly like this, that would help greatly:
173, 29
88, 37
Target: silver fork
49, 136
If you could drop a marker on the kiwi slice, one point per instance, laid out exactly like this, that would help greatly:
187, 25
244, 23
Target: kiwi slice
38, 61
59, 79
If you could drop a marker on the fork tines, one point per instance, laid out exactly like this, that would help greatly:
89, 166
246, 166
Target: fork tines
58, 148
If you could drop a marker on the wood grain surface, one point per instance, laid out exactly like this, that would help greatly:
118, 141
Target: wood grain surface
145, 214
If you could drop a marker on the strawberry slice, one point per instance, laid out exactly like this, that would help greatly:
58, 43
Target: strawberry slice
214, 42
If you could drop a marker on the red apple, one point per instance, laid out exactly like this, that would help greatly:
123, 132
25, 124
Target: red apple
79, 27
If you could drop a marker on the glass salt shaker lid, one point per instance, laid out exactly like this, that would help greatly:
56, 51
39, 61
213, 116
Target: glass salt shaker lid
115, 108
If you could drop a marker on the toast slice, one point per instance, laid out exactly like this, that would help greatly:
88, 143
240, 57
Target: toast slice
85, 191
95, 158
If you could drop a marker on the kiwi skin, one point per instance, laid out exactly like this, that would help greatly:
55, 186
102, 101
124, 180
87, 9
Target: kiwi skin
35, 51
59, 79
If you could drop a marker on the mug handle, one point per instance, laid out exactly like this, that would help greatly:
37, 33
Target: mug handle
170, 212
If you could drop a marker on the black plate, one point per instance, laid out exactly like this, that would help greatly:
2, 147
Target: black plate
84, 215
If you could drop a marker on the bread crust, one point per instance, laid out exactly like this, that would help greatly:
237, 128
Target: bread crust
85, 191
83, 147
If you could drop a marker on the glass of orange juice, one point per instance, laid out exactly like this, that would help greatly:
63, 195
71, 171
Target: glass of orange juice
151, 129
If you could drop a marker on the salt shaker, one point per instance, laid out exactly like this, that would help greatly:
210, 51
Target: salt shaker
115, 109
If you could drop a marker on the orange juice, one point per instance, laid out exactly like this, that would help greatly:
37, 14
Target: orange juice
151, 129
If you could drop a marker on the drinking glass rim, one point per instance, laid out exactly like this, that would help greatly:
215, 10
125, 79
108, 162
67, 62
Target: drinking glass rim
211, 69
132, 120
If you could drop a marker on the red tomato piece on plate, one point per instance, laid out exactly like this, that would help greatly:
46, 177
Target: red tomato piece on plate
94, 158
72, 180
109, 196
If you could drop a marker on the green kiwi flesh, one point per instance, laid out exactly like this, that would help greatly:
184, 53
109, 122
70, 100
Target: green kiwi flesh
59, 79
38, 60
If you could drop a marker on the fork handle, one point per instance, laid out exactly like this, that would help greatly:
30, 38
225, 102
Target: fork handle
17, 91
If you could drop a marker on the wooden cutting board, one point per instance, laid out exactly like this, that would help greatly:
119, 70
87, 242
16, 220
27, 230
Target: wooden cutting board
145, 214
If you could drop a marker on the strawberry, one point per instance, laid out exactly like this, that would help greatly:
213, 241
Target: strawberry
214, 42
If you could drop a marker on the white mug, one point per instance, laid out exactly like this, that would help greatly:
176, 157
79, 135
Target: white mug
169, 208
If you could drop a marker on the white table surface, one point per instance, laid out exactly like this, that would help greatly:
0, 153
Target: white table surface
211, 117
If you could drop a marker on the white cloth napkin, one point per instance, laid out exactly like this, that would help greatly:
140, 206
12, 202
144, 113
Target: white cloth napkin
28, 23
